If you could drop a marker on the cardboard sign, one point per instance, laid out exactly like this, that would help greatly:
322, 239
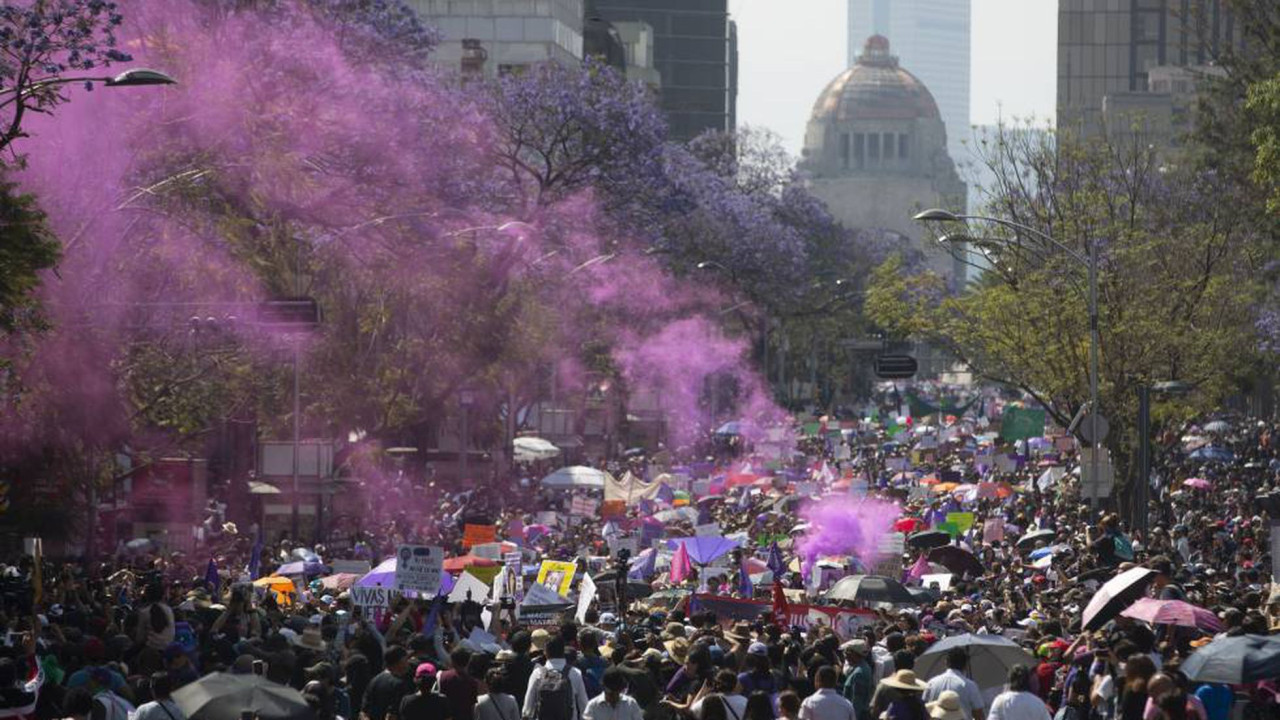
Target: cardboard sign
478, 535
613, 509
557, 576
372, 597
418, 568
962, 520
993, 530
586, 593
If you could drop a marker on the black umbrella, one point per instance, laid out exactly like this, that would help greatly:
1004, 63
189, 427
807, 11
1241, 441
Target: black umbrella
1115, 595
1030, 539
219, 696
926, 539
870, 588
1235, 660
957, 560
636, 589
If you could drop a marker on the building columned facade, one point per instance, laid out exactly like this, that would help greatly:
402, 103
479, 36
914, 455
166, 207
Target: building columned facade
876, 152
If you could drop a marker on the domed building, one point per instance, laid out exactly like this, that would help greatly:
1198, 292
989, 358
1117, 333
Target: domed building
876, 152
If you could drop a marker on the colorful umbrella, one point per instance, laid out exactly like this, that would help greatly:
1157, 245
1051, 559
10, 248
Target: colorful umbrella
1197, 483
275, 582
462, 562
339, 582
1235, 660
908, 524
1115, 595
703, 549
1173, 612
681, 566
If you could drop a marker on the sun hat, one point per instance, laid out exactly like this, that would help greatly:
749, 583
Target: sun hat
946, 707
857, 645
540, 638
310, 639
904, 680
678, 649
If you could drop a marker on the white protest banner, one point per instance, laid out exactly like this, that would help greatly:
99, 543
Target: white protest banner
993, 530
586, 593
488, 551
418, 568
548, 517
512, 560
469, 585
711, 528
377, 597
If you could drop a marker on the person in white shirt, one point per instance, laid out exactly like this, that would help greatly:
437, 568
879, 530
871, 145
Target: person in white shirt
953, 678
163, 707
826, 703
555, 663
1017, 702
613, 703
725, 685
497, 704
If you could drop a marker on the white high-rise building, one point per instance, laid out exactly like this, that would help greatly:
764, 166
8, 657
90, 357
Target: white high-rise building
931, 37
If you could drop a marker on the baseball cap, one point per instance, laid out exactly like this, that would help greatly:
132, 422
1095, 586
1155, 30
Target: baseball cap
425, 669
758, 648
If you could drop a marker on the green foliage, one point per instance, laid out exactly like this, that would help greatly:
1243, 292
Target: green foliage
26, 248
1176, 281
1264, 109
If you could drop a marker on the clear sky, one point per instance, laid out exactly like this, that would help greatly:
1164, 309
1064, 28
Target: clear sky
790, 49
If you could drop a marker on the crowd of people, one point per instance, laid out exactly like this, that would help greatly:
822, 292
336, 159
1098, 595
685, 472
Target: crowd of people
119, 639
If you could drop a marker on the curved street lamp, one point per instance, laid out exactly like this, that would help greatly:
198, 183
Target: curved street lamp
1089, 259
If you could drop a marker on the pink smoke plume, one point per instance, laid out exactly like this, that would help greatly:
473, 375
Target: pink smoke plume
845, 527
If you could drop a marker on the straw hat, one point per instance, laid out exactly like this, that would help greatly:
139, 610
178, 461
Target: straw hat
678, 649
904, 680
946, 707
310, 639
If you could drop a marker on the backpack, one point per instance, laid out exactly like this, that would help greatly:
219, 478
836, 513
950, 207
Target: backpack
555, 696
1124, 548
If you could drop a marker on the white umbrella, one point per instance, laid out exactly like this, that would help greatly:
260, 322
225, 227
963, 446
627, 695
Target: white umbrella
576, 476
257, 487
532, 449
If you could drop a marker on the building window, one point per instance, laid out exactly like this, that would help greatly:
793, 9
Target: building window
888, 146
844, 150
873, 148
859, 149
902, 146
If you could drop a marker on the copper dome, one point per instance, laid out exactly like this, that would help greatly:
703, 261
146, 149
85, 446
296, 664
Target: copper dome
875, 88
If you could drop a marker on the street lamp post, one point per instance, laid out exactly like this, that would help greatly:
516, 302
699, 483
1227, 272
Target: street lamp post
1090, 261
1142, 488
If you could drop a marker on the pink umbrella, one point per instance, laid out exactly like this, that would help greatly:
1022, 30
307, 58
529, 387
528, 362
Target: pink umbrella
1173, 612
1197, 483
681, 565
339, 582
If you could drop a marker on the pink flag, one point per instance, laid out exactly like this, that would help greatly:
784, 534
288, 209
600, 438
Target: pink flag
681, 566
919, 570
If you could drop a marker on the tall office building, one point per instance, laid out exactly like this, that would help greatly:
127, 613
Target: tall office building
695, 50
505, 35
932, 38
1122, 62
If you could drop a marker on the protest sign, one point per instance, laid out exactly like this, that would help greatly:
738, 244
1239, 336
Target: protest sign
470, 587
962, 520
993, 530
618, 544
586, 593
557, 575
418, 568
548, 517
943, 581
613, 509
539, 594
372, 597
583, 506
847, 623
949, 527
478, 535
